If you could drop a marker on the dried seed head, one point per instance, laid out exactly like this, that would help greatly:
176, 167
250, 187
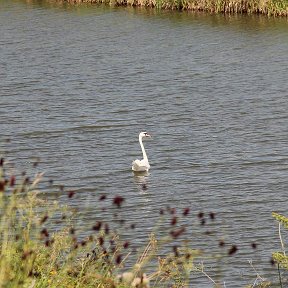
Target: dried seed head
106, 229
101, 241
212, 215
186, 211
173, 221
178, 232
175, 250
2, 186
221, 243
71, 194
232, 250
118, 259
1, 162
76, 245
187, 256
200, 215
12, 181
44, 232
44, 219
118, 201
72, 231
97, 226
126, 245
254, 245
102, 197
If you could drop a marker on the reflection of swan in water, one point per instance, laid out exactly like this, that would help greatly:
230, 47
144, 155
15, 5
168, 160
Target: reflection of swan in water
141, 165
140, 179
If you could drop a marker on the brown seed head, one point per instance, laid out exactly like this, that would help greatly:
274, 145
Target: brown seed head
97, 226
178, 232
212, 215
232, 250
102, 197
200, 215
72, 231
254, 245
71, 194
44, 232
126, 245
44, 219
221, 243
106, 229
12, 181
186, 211
118, 201
2, 186
118, 259
101, 241
173, 221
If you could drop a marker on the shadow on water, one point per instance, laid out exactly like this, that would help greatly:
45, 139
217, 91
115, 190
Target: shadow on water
141, 180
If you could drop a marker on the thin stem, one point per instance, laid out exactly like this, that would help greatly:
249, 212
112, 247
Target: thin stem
280, 236
279, 276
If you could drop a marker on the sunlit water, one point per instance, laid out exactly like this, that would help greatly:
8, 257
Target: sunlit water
77, 85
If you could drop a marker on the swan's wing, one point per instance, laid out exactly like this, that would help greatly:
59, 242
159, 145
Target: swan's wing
136, 164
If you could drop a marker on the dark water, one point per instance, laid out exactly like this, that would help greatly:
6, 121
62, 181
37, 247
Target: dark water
77, 85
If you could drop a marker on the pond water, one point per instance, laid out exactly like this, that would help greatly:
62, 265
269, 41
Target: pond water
79, 83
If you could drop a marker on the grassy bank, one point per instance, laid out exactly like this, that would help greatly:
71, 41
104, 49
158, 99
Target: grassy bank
266, 7
40, 245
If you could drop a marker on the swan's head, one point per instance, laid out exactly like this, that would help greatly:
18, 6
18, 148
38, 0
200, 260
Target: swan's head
144, 135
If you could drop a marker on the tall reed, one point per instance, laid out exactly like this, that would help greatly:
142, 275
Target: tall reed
266, 7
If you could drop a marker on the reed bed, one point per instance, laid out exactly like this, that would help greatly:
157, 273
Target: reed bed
266, 7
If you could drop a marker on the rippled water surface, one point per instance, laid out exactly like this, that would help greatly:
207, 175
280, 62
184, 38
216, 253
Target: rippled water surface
77, 85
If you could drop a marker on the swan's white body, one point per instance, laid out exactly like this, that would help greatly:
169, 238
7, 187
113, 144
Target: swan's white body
141, 165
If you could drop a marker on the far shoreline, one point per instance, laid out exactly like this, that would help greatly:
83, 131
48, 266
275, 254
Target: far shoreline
274, 8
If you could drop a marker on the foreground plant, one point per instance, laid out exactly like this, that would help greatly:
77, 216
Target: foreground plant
280, 257
39, 246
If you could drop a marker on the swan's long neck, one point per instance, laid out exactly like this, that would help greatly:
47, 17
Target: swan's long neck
143, 149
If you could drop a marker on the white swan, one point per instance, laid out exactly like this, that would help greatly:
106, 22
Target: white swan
141, 165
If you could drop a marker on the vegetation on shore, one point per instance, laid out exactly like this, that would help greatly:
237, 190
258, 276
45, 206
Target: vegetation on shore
266, 7
40, 246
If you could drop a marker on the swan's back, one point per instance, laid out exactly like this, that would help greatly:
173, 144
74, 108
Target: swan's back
140, 166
